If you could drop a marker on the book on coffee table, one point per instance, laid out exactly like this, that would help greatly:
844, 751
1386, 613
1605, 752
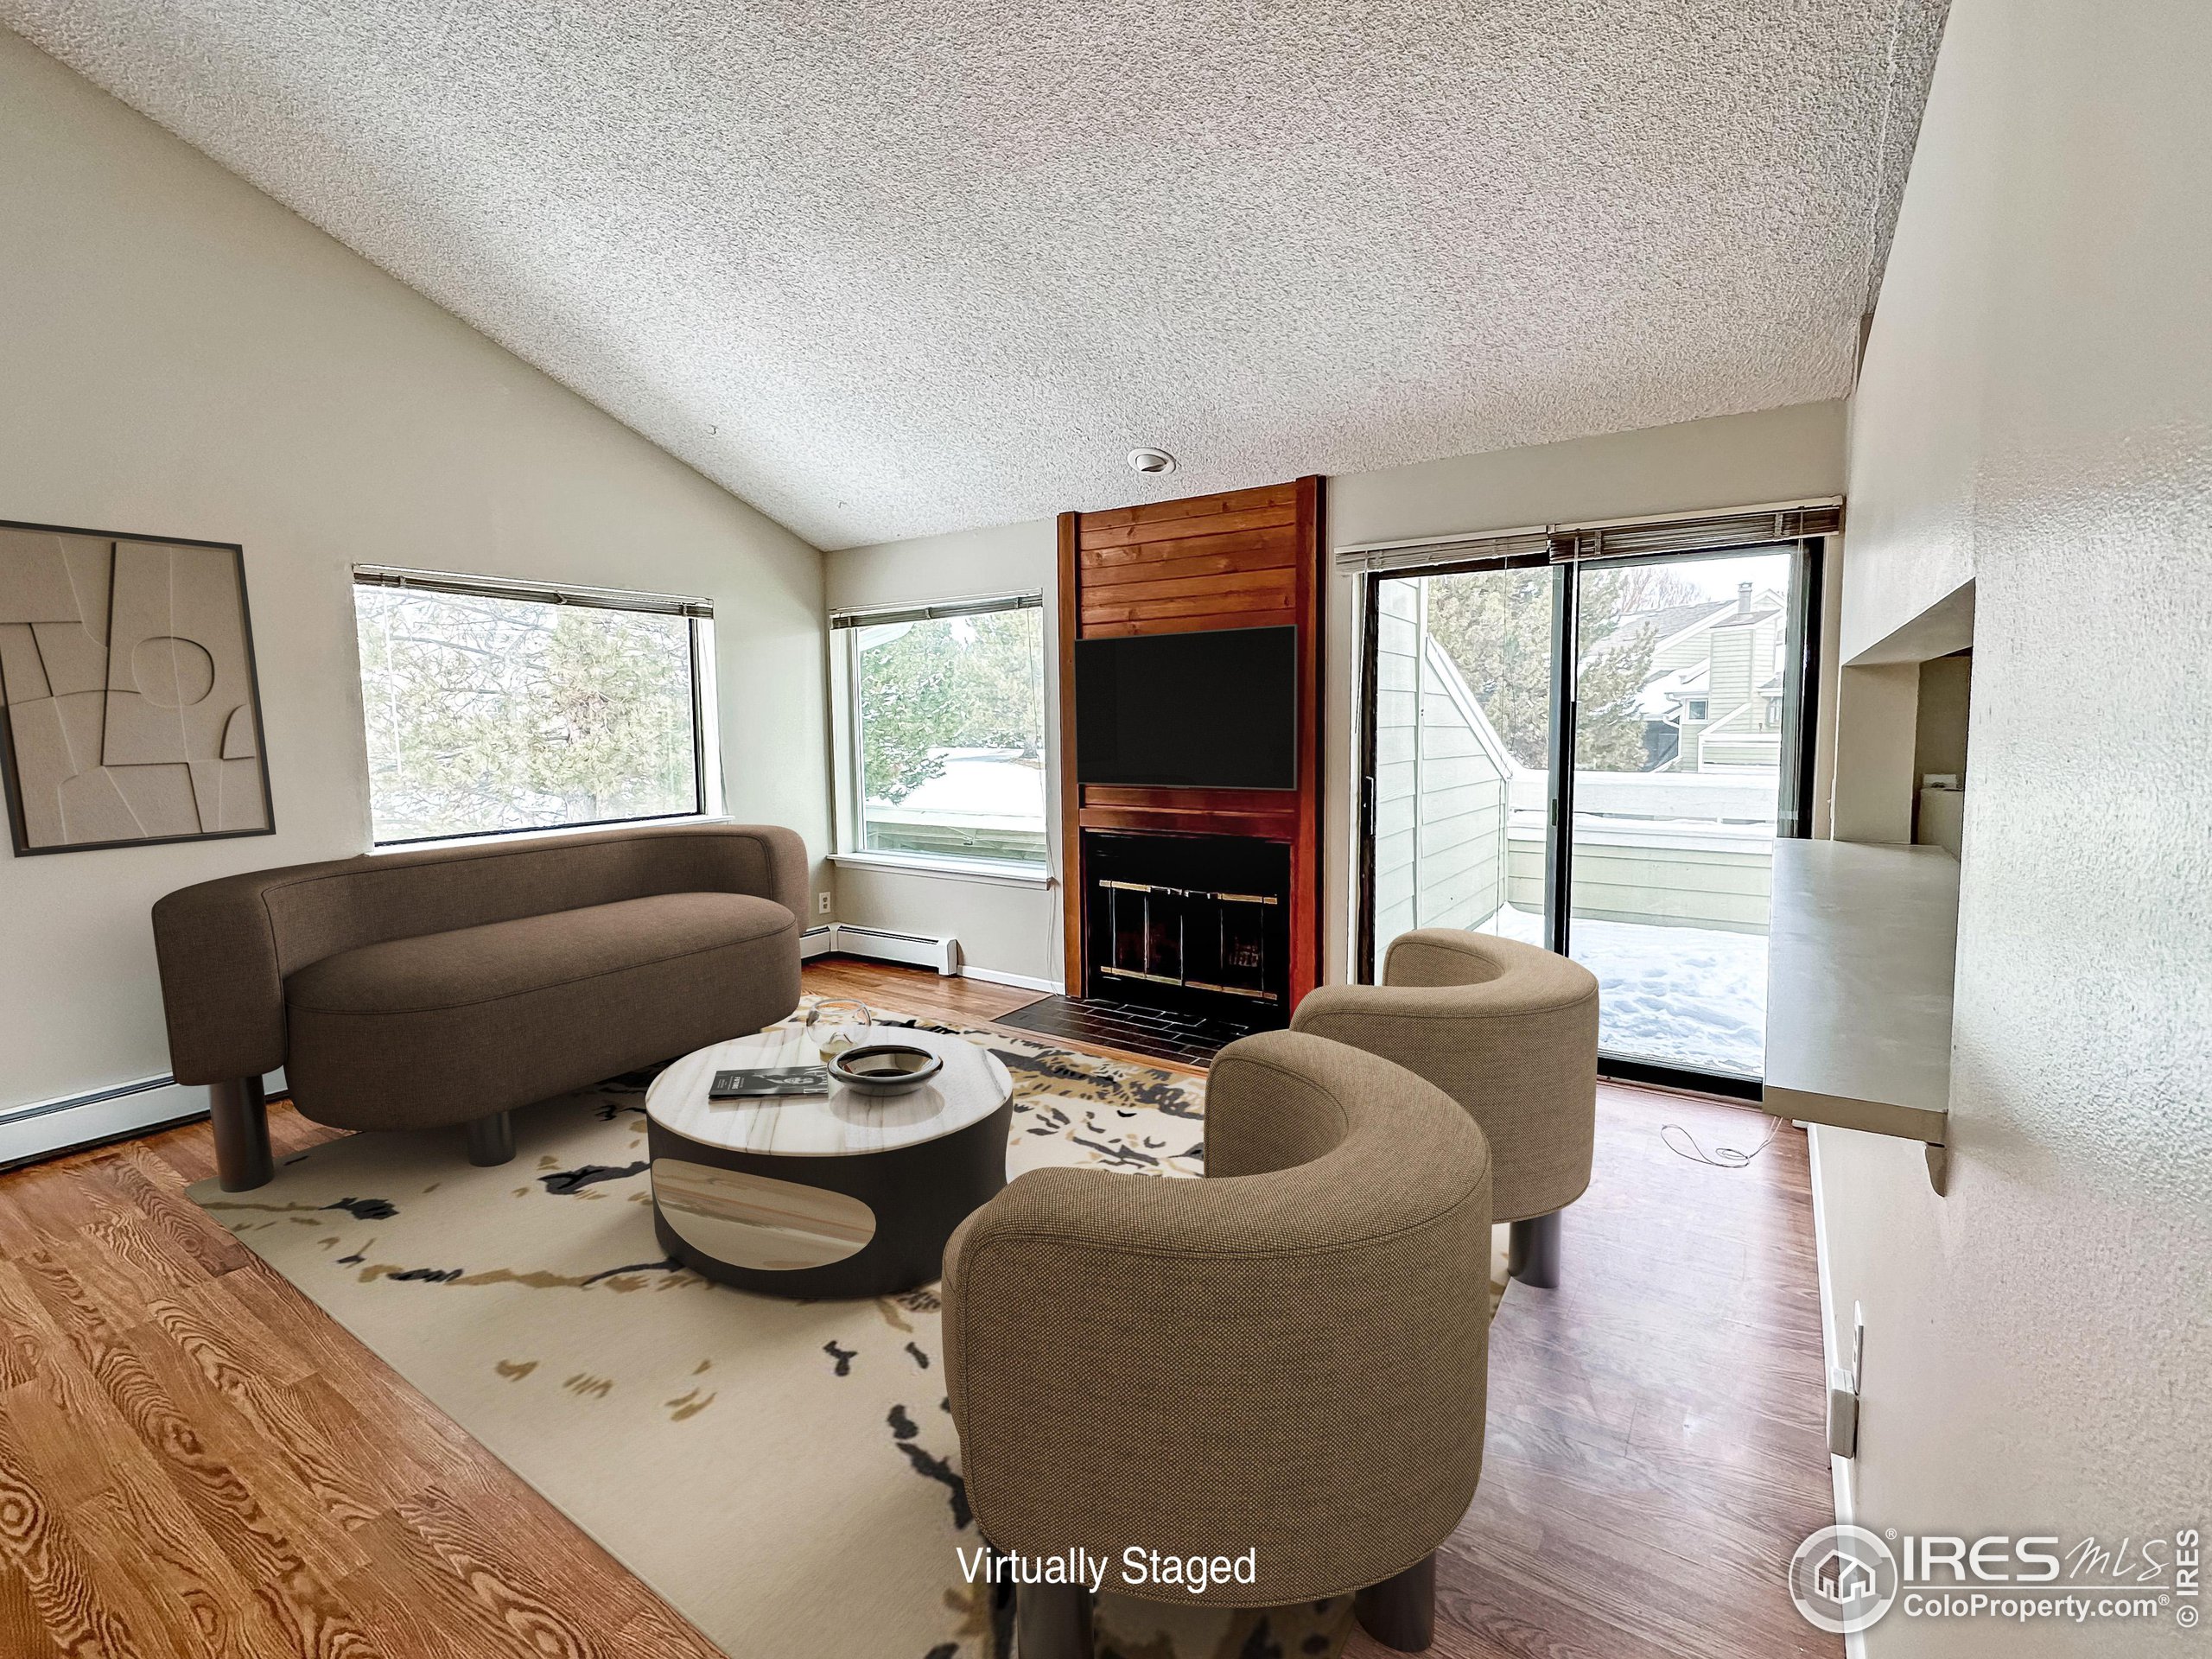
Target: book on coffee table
773, 1082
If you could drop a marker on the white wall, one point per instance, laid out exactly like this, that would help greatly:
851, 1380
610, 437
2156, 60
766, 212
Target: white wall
1876, 716
1777, 454
2036, 410
1002, 927
183, 357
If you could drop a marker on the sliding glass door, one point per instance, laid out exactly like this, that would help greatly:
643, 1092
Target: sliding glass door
1686, 704
1618, 801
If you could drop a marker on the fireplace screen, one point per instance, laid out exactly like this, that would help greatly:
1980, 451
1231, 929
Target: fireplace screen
1197, 922
1205, 941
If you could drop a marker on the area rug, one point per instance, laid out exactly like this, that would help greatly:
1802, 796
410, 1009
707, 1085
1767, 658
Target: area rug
785, 1473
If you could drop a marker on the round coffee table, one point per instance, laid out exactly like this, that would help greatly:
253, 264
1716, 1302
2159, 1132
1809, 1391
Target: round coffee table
837, 1195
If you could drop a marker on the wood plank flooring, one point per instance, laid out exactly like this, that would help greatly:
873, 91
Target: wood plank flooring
195, 1461
1655, 1449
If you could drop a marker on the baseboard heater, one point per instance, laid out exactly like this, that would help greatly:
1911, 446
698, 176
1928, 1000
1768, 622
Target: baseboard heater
937, 953
47, 1128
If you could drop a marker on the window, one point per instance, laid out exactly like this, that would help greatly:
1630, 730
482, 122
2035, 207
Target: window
945, 740
1694, 709
494, 706
1774, 712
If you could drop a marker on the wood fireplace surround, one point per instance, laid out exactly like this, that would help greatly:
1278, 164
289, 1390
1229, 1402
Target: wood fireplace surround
1204, 901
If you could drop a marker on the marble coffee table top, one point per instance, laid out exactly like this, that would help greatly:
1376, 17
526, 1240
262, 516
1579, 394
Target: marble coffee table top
973, 1084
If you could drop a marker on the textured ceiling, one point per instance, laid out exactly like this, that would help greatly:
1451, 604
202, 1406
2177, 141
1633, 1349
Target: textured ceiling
883, 270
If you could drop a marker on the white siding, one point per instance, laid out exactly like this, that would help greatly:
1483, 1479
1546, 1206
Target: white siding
1442, 779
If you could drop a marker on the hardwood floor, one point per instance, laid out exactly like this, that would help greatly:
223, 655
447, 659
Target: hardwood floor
195, 1461
913, 990
909, 990
1655, 1449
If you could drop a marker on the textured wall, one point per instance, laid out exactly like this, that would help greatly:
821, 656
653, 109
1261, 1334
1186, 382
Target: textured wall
2036, 406
186, 358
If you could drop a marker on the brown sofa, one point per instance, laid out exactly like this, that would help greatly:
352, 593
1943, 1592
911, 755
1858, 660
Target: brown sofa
448, 986
1299, 1343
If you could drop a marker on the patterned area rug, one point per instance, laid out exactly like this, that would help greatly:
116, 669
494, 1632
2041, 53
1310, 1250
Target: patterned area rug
785, 1473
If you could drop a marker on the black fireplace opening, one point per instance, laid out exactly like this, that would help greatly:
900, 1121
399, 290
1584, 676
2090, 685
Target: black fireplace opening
1197, 923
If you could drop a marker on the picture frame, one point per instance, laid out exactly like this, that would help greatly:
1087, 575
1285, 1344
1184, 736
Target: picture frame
129, 696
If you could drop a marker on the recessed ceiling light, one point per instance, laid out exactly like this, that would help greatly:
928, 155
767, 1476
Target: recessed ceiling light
1151, 461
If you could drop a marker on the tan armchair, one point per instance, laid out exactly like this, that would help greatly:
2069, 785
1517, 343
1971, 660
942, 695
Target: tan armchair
1282, 1358
1510, 1031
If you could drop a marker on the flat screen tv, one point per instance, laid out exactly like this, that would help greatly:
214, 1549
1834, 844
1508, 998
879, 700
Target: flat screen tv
1211, 710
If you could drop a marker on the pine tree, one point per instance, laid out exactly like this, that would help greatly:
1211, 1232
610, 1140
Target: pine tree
963, 683
1496, 627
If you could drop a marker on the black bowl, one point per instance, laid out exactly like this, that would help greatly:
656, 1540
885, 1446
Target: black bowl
885, 1068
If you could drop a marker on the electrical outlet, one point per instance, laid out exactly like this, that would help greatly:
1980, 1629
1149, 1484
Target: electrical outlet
822, 904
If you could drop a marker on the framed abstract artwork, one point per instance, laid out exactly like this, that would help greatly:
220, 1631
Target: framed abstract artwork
130, 714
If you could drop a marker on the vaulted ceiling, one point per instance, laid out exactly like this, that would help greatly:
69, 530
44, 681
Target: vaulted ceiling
883, 270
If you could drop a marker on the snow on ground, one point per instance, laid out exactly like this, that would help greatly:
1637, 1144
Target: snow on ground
981, 782
1689, 996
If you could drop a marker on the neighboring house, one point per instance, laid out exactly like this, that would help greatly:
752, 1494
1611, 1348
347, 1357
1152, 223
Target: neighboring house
1714, 700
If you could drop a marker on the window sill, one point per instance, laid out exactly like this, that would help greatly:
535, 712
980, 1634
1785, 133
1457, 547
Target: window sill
993, 871
544, 833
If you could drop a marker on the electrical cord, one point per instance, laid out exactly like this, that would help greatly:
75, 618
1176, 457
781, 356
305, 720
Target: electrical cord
1720, 1157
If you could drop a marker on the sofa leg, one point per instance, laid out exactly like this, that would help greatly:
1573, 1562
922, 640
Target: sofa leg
1052, 1621
1532, 1253
491, 1139
239, 1112
1400, 1612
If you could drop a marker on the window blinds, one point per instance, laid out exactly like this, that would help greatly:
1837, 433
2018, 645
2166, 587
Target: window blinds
604, 599
1754, 527
938, 612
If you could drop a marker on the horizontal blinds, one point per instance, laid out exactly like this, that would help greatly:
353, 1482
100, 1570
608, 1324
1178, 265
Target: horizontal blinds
1510, 546
1562, 544
876, 619
1749, 527
603, 598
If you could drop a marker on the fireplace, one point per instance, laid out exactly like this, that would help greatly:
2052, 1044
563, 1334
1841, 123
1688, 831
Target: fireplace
1196, 923
1192, 908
